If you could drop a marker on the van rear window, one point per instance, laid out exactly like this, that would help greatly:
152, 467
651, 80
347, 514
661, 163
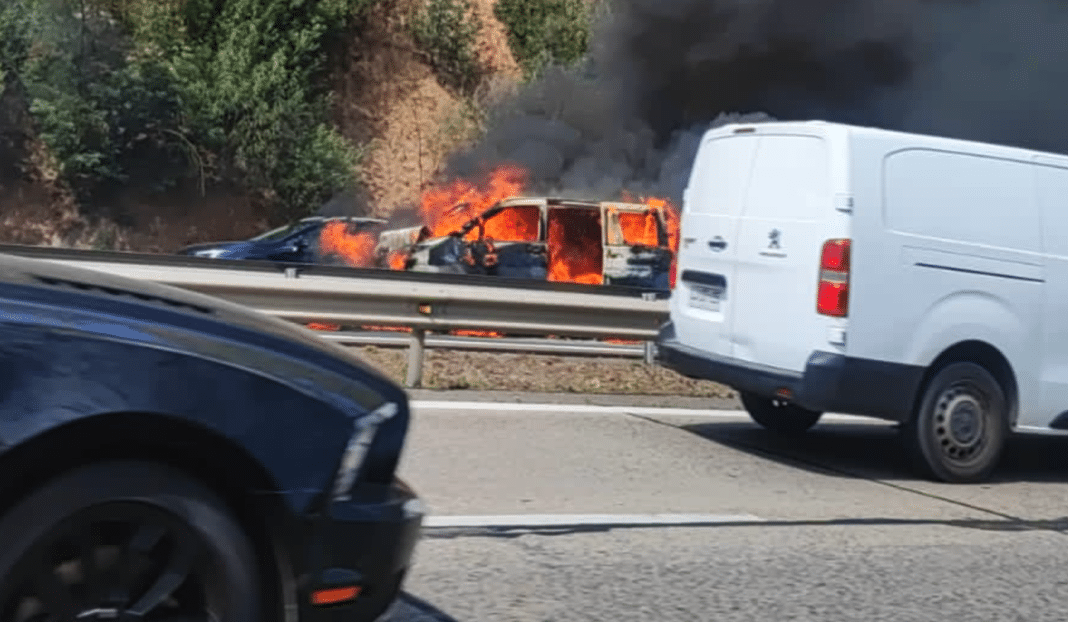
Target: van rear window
776, 176
720, 176
791, 179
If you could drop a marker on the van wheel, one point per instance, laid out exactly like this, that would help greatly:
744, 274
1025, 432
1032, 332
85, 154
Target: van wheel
779, 416
960, 429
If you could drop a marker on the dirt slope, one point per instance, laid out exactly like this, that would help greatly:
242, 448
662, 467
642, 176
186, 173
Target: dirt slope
388, 94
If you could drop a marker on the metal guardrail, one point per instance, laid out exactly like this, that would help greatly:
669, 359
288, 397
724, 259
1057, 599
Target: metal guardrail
568, 347
370, 297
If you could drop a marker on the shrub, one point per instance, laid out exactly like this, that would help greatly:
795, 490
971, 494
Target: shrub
14, 41
153, 91
545, 32
98, 111
447, 30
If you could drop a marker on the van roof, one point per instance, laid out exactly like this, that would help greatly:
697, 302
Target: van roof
825, 128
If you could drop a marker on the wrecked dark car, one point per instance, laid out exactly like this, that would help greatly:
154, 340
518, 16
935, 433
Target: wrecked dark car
297, 242
601, 243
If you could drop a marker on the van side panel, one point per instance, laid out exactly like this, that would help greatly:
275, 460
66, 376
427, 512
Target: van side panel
1052, 190
952, 255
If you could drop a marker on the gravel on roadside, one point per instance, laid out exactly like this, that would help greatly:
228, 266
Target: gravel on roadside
459, 370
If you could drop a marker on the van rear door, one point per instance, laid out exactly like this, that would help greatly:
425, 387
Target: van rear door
703, 302
789, 213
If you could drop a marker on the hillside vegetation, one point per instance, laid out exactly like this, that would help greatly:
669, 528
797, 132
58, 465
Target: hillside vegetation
150, 124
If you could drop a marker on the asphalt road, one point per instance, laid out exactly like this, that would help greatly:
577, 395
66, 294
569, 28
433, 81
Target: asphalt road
579, 512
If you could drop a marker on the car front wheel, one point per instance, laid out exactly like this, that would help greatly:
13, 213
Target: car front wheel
125, 541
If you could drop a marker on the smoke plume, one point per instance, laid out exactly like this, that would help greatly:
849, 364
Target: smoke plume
661, 72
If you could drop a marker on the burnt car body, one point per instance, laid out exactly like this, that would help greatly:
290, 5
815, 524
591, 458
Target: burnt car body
297, 242
166, 455
538, 228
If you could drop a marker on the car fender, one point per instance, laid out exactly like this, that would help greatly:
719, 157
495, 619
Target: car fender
967, 316
49, 378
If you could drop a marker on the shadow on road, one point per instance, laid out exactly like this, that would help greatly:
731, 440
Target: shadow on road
876, 451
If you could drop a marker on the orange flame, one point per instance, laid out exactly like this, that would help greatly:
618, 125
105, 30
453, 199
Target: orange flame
357, 250
639, 229
516, 224
573, 236
445, 209
397, 260
671, 219
463, 332
574, 243
672, 222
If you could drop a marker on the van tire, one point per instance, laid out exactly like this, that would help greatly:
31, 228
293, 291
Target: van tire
967, 449
779, 416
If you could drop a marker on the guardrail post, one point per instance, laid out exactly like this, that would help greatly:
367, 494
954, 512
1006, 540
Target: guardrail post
650, 346
416, 345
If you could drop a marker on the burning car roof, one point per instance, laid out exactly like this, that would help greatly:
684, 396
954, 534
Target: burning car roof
549, 203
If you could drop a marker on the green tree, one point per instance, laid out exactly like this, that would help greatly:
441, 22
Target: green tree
154, 91
447, 30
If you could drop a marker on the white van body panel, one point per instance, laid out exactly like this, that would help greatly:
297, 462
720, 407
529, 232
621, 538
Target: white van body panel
951, 242
958, 253
772, 210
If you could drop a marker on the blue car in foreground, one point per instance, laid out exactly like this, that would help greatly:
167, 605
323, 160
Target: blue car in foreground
170, 456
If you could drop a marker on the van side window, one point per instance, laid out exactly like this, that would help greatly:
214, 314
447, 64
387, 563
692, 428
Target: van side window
961, 197
519, 223
791, 179
633, 228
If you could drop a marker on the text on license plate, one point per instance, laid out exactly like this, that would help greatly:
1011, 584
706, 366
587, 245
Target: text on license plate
706, 298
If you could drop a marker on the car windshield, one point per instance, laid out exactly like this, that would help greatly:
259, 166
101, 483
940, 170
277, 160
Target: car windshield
280, 232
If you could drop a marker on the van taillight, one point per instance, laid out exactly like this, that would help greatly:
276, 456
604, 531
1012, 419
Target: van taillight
674, 271
833, 296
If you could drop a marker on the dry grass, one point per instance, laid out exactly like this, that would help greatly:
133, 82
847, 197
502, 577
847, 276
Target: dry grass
462, 370
387, 95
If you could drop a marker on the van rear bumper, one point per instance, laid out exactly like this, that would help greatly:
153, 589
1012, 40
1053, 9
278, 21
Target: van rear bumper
830, 382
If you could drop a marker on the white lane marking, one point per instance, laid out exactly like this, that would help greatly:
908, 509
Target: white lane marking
588, 409
520, 521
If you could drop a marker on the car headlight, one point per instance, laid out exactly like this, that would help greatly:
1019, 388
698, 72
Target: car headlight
364, 430
213, 253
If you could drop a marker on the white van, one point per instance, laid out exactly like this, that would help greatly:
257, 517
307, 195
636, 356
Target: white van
832, 268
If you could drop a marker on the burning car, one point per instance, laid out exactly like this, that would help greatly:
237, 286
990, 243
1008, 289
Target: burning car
554, 239
315, 239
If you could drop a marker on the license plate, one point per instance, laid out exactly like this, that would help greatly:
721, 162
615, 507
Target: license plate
706, 298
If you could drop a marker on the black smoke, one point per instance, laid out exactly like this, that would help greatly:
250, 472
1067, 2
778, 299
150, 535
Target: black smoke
661, 72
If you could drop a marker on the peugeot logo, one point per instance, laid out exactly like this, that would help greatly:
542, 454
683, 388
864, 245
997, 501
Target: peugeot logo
774, 237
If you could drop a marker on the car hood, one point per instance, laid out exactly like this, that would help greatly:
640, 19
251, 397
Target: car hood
62, 285
225, 249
